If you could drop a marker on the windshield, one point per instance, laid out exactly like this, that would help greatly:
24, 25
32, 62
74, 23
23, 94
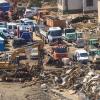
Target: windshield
55, 33
29, 23
60, 50
9, 27
69, 30
83, 54
5, 31
15, 27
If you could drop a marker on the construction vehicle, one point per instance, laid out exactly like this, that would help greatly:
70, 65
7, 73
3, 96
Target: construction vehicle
94, 51
93, 43
56, 53
71, 35
12, 59
51, 35
94, 56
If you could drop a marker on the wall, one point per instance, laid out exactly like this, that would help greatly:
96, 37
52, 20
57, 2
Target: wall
74, 4
99, 11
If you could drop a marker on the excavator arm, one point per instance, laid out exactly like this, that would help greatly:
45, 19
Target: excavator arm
10, 65
24, 49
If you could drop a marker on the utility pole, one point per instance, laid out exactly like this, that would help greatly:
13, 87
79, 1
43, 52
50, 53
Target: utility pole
83, 6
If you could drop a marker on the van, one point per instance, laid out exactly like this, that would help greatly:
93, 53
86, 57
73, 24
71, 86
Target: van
81, 55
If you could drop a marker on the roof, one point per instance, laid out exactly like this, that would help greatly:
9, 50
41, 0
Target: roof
24, 19
3, 1
11, 23
1, 39
3, 28
81, 51
54, 28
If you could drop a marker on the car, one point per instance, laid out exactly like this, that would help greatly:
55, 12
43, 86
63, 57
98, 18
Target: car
34, 53
5, 32
28, 13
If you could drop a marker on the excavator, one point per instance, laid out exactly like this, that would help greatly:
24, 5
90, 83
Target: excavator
13, 70
12, 60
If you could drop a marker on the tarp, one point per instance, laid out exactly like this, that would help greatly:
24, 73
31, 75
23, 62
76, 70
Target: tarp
4, 5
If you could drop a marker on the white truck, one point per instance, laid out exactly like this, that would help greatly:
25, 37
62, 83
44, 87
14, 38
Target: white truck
81, 55
51, 35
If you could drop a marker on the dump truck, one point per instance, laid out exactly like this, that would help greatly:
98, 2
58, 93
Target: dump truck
56, 53
71, 35
52, 34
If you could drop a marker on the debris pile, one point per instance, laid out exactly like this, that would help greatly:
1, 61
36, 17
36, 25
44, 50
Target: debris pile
91, 84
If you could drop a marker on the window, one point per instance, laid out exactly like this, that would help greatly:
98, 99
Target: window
89, 3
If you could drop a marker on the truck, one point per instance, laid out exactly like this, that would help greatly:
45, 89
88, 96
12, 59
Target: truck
71, 35
55, 54
94, 51
51, 35
11, 67
27, 36
94, 56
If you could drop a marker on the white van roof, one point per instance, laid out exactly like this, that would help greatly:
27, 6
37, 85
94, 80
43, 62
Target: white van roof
11, 23
80, 51
24, 19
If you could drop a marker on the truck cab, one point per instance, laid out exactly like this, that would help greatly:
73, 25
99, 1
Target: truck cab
51, 35
54, 34
60, 52
69, 34
28, 22
93, 43
94, 56
81, 56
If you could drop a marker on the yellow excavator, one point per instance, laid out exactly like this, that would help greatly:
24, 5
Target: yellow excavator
12, 60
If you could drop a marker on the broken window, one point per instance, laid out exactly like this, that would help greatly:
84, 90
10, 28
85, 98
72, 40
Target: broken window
89, 3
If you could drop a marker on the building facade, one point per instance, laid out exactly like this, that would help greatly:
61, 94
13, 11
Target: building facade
77, 5
99, 11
